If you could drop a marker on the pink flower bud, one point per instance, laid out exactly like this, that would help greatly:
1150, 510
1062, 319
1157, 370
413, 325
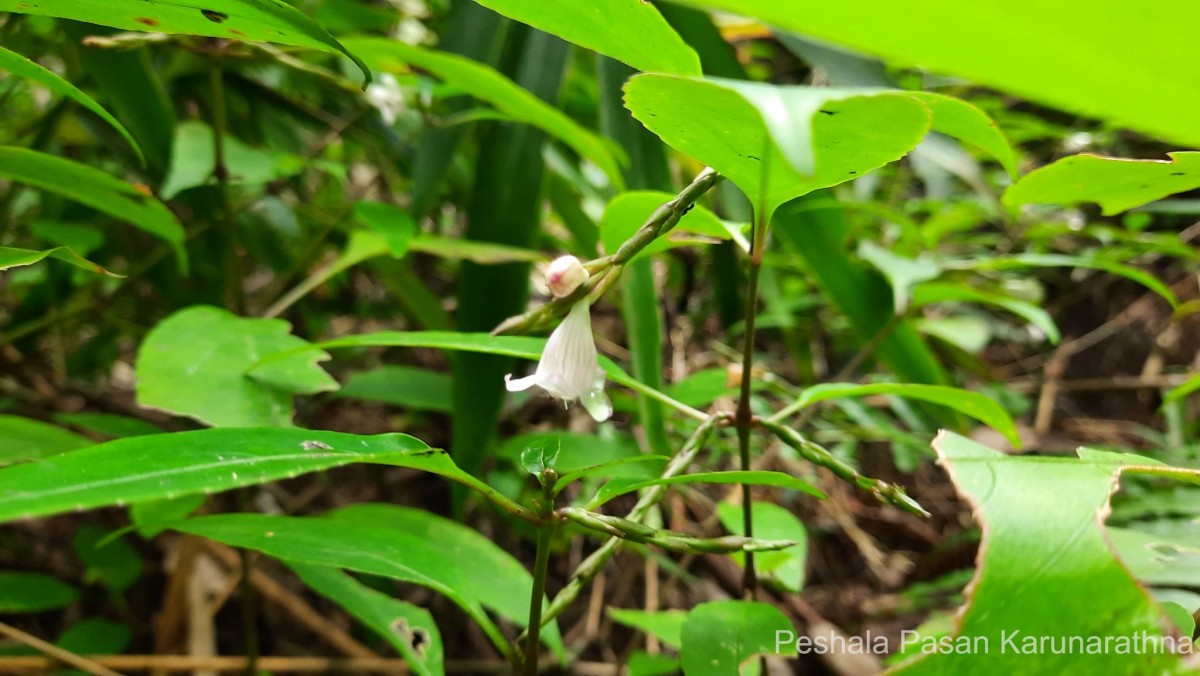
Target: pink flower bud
564, 275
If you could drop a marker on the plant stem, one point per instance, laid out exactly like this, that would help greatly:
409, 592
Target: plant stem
225, 214
744, 419
536, 599
593, 564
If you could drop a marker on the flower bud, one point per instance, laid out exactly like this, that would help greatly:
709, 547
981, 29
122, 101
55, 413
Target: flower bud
564, 275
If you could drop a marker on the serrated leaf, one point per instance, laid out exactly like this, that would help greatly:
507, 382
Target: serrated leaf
161, 466
195, 363
246, 20
719, 637
971, 404
630, 31
1115, 183
1045, 567
488, 85
23, 67
96, 189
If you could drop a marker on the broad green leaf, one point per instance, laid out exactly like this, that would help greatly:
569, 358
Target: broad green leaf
902, 273
23, 67
665, 625
408, 387
971, 404
719, 637
246, 20
96, 636
957, 118
1018, 261
109, 424
618, 487
777, 143
1131, 85
1117, 184
702, 388
150, 515
194, 158
606, 468
444, 564
771, 522
489, 86
111, 562
929, 293
1046, 568
629, 210
579, 453
15, 258
25, 439
33, 592
195, 363
394, 224
160, 466
630, 31
410, 629
93, 187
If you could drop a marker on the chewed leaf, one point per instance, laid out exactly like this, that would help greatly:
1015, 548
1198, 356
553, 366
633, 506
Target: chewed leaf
1046, 568
1115, 183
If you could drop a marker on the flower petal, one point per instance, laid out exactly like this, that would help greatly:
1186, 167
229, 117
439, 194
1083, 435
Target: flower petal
520, 384
596, 403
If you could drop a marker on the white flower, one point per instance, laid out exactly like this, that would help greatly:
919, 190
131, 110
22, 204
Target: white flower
386, 97
564, 275
568, 368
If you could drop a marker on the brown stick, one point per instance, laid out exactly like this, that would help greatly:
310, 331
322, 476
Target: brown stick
58, 654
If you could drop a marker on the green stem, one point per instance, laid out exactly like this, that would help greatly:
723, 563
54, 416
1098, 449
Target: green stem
537, 598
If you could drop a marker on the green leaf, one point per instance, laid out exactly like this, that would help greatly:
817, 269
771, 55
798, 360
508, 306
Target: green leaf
94, 188
394, 224
957, 118
485, 84
410, 629
150, 515
537, 459
1128, 86
629, 210
193, 161
618, 487
15, 258
112, 562
484, 253
1046, 568
581, 453
33, 592
109, 424
246, 20
603, 469
971, 404
1019, 261
459, 563
630, 31
930, 293
96, 636
1117, 184
665, 625
902, 273
195, 363
777, 143
1189, 386
404, 386
203, 461
771, 522
23, 67
719, 637
25, 439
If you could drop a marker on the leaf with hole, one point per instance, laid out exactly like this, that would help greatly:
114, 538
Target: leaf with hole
246, 20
